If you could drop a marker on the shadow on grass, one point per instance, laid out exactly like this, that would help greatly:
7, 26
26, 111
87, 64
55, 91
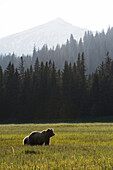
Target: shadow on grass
30, 152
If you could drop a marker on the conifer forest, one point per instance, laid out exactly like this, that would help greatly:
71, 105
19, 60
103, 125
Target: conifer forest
44, 93
59, 84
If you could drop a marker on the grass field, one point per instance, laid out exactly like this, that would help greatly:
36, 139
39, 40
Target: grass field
74, 146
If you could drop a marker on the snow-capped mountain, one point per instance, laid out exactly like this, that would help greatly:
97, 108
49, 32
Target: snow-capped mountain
52, 33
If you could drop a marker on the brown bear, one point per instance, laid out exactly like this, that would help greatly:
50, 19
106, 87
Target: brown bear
38, 138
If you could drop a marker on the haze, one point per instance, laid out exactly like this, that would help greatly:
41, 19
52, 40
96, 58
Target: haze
19, 15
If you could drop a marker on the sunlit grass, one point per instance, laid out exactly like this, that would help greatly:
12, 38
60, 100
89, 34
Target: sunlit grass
74, 146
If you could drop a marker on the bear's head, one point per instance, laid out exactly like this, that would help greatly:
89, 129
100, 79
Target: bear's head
50, 132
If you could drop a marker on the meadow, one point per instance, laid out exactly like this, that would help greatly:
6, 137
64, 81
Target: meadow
74, 146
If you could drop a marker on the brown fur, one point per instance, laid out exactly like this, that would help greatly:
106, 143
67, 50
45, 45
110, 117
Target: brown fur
39, 138
26, 140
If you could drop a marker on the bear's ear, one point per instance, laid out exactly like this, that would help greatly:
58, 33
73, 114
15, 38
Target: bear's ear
52, 130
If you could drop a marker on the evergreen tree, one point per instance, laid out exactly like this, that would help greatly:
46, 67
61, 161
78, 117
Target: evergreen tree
21, 67
10, 92
34, 57
1, 94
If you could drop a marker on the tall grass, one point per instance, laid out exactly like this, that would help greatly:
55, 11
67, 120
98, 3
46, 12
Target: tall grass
74, 146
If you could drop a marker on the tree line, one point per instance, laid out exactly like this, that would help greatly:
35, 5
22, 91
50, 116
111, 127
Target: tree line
94, 46
43, 92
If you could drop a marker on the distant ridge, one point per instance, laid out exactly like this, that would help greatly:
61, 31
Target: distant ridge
52, 33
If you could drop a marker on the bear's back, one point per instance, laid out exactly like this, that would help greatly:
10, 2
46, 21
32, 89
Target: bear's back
36, 138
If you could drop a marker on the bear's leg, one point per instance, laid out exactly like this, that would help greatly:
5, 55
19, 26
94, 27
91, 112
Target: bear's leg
47, 142
41, 143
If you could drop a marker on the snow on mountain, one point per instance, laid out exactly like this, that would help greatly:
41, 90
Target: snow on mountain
52, 33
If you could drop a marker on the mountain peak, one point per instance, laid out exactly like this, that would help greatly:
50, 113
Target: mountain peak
59, 20
52, 33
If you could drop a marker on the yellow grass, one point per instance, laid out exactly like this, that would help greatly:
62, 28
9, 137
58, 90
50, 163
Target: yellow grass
74, 146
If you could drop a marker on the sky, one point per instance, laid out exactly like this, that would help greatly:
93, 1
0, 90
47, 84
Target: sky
19, 15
